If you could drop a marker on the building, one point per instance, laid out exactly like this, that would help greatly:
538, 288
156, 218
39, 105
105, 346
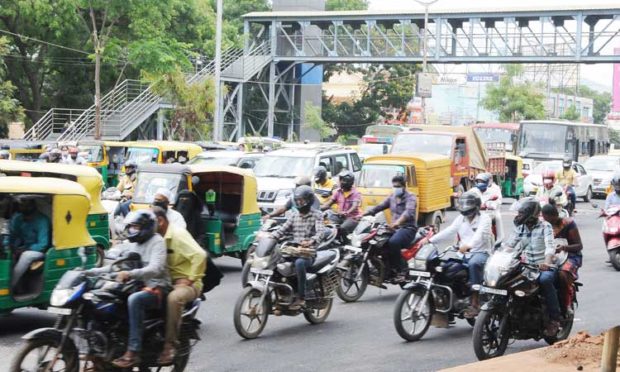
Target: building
558, 103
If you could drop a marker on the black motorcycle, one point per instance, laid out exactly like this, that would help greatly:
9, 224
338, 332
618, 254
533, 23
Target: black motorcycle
516, 308
438, 293
92, 326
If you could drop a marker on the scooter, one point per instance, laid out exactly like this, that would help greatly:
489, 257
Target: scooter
611, 234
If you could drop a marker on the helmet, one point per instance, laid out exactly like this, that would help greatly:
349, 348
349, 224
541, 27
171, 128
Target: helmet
468, 203
55, 155
140, 226
567, 162
5, 154
347, 178
615, 182
483, 181
320, 174
303, 197
302, 181
548, 178
130, 167
528, 212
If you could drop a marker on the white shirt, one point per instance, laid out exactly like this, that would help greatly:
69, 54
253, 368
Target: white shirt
477, 234
176, 219
78, 161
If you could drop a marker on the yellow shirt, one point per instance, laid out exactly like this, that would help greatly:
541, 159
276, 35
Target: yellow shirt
186, 258
323, 188
567, 177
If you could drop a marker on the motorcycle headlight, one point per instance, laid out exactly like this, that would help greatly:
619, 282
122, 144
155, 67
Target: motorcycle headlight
60, 297
260, 262
419, 264
356, 240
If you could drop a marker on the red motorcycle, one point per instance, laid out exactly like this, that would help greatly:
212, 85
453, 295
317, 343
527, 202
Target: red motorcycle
611, 234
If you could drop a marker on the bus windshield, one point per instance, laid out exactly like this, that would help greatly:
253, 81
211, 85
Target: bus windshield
542, 138
488, 135
423, 142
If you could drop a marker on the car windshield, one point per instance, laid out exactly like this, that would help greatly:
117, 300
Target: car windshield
548, 165
220, 160
378, 176
94, 153
142, 155
369, 149
284, 166
489, 135
149, 183
542, 138
601, 164
423, 142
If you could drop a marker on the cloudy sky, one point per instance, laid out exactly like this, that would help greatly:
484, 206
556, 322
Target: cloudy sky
601, 74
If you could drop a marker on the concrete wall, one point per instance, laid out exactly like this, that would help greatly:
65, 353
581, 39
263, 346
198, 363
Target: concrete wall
294, 5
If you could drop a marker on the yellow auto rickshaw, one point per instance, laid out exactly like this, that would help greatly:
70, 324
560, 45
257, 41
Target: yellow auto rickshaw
161, 152
230, 215
24, 150
97, 220
63, 207
427, 177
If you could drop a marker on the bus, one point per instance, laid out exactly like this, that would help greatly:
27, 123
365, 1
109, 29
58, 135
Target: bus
543, 140
498, 132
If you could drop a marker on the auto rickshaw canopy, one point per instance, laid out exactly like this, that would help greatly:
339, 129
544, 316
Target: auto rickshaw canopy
69, 209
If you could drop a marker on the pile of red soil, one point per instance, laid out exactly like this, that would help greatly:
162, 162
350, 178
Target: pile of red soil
581, 351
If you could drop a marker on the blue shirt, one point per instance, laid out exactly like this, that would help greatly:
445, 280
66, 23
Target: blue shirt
32, 233
612, 199
404, 205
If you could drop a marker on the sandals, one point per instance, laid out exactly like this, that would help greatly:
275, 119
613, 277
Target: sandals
167, 356
126, 362
471, 312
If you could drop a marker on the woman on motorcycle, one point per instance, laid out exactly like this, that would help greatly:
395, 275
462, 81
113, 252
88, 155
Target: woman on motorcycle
565, 228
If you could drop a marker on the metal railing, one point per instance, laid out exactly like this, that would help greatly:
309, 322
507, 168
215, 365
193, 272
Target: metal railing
53, 123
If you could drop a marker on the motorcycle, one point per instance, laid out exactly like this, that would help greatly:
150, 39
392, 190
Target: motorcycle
92, 326
273, 285
364, 262
515, 309
611, 234
437, 293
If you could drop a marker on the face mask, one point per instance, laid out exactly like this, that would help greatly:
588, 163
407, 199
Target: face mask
161, 204
482, 186
398, 191
73, 157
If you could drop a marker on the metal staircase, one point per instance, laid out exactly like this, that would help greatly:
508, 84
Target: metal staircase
132, 102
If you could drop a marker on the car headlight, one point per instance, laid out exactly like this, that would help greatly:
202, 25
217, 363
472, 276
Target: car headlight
60, 297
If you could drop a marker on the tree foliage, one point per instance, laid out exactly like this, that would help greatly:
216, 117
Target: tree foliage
10, 109
514, 100
313, 120
571, 114
601, 101
346, 5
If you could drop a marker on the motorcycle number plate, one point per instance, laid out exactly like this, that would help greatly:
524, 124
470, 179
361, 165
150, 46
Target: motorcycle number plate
260, 271
424, 274
352, 248
58, 310
501, 292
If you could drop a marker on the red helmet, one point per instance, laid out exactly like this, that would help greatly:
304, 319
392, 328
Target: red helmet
549, 175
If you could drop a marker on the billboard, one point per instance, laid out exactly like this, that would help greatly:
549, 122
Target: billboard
482, 77
424, 86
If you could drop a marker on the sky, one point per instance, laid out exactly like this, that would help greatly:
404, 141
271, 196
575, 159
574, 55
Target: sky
599, 74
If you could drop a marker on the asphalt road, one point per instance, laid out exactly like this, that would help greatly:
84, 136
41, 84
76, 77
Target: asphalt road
358, 336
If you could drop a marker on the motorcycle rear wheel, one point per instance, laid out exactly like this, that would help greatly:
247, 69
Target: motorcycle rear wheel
315, 316
419, 319
489, 341
68, 359
248, 307
614, 257
349, 289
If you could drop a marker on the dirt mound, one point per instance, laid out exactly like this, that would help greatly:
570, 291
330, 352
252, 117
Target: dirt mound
582, 351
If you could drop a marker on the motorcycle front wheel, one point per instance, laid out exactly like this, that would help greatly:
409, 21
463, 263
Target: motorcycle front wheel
350, 287
318, 316
489, 339
411, 317
251, 314
614, 257
39, 355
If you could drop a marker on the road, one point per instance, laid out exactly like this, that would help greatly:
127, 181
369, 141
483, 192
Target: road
358, 336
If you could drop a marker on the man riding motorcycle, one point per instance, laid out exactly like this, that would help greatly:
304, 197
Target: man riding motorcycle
475, 235
491, 200
127, 185
550, 189
299, 181
567, 179
141, 231
349, 202
323, 185
305, 224
402, 205
535, 238
614, 197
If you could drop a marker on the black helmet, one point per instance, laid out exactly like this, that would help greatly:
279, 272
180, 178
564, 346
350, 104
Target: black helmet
346, 179
615, 182
130, 166
320, 174
54, 156
567, 162
140, 226
304, 198
302, 181
528, 212
468, 203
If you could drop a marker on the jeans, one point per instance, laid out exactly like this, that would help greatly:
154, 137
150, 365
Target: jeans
547, 284
177, 299
23, 264
137, 305
476, 262
570, 191
122, 209
301, 266
400, 240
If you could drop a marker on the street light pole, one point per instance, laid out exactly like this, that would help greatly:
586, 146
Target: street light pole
425, 4
217, 125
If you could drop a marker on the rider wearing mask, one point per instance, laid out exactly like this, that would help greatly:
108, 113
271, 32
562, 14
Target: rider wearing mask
402, 205
305, 224
74, 158
349, 202
55, 156
127, 183
323, 185
550, 189
299, 181
491, 199
187, 263
162, 200
141, 229
614, 197
567, 179
536, 241
565, 228
475, 235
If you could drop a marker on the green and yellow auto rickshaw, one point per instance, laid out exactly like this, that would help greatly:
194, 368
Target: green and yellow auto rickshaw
97, 221
65, 205
230, 214
512, 182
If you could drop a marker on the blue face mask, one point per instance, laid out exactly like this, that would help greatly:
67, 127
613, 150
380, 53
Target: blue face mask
482, 186
398, 191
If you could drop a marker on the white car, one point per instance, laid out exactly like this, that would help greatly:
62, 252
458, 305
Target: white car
601, 168
534, 180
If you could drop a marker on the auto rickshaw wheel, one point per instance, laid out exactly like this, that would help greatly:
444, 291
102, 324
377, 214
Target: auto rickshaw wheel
100, 252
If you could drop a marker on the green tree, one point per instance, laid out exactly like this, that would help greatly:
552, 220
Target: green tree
601, 101
614, 137
314, 121
346, 5
513, 100
571, 114
10, 109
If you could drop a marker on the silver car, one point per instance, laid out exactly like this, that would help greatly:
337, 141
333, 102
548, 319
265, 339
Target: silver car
584, 188
602, 168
